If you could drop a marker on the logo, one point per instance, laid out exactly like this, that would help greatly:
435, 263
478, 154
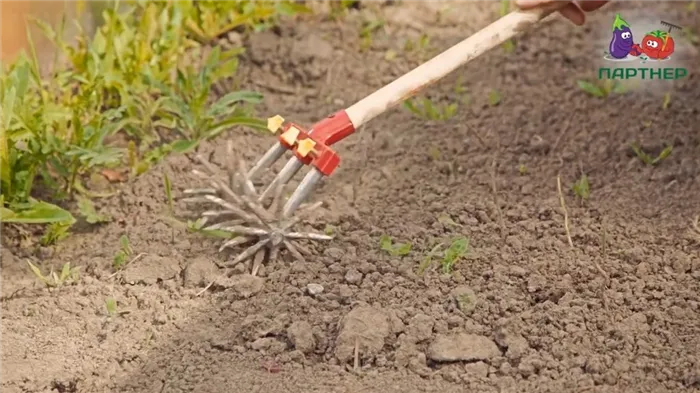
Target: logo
655, 48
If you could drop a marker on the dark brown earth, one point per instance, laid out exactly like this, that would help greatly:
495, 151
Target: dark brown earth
524, 311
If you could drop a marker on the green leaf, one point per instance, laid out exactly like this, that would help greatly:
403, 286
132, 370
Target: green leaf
184, 146
590, 88
394, 249
457, 250
494, 98
224, 105
87, 210
168, 191
38, 213
223, 125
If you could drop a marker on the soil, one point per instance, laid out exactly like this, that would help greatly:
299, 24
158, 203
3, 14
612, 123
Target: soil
615, 309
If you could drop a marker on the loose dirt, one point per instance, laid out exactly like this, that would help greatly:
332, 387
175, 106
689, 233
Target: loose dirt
523, 311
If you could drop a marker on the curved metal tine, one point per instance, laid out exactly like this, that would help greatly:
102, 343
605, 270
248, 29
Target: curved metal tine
248, 186
198, 191
231, 164
248, 252
276, 205
252, 219
257, 261
273, 254
300, 214
236, 241
307, 236
206, 164
224, 224
241, 230
293, 250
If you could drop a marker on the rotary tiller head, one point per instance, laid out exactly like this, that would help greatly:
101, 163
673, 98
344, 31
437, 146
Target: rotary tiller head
246, 215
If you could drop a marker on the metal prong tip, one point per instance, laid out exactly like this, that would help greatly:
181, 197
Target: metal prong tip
258, 230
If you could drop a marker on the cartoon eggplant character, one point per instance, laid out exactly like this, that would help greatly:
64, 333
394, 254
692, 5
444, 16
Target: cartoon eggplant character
656, 45
622, 41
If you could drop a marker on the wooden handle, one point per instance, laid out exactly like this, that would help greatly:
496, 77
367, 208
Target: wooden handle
443, 64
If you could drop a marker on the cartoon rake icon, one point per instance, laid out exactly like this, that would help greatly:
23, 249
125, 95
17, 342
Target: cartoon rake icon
268, 227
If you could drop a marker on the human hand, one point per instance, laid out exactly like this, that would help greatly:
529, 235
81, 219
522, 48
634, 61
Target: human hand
574, 11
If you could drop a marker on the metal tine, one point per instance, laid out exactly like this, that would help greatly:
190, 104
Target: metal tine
283, 177
231, 164
267, 160
248, 252
195, 191
300, 215
307, 236
303, 250
257, 261
224, 224
302, 192
276, 205
248, 186
215, 214
241, 230
293, 250
252, 219
207, 164
273, 254
237, 241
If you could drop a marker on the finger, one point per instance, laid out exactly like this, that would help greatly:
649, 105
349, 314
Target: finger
573, 13
589, 6
528, 4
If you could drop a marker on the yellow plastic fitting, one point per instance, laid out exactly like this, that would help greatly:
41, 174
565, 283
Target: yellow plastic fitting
290, 136
274, 123
305, 147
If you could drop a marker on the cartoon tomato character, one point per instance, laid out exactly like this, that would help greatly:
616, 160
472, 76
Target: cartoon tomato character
655, 45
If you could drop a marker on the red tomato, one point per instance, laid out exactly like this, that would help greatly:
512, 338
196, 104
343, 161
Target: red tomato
658, 45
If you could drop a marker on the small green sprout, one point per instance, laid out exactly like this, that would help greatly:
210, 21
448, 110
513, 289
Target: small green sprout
111, 306
647, 159
581, 188
426, 109
68, 275
667, 101
368, 29
124, 251
168, 192
601, 90
394, 249
494, 98
522, 169
506, 6
458, 249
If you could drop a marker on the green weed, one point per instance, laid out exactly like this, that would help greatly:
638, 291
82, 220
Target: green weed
581, 188
111, 306
125, 250
506, 7
367, 31
458, 248
426, 109
522, 170
394, 249
68, 275
169, 193
340, 8
131, 77
601, 89
494, 98
649, 160
666, 102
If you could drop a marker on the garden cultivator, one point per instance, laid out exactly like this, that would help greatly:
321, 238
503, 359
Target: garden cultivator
260, 217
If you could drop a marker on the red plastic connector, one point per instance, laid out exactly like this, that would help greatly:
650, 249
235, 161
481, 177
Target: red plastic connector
326, 132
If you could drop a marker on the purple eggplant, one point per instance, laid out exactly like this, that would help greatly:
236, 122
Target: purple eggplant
622, 41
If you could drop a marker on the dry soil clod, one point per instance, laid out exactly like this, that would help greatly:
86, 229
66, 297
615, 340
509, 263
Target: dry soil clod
248, 218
